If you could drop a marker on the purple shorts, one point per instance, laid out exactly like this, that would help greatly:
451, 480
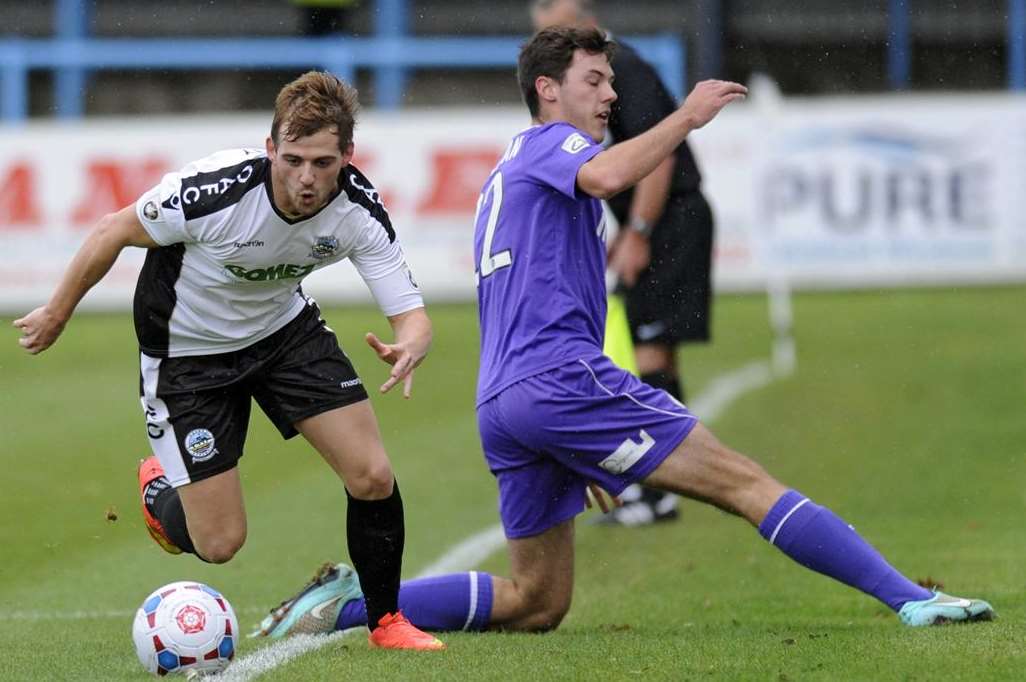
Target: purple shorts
546, 437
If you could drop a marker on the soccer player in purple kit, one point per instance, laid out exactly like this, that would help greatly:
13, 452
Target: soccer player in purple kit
556, 416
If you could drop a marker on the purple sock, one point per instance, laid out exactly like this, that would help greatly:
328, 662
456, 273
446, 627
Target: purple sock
458, 601
818, 539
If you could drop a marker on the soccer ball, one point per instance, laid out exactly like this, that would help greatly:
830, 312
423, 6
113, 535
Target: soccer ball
185, 626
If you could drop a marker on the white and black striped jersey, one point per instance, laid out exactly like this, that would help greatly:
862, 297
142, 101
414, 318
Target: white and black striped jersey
229, 267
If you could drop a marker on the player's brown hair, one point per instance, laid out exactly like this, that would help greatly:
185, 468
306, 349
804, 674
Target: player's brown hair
549, 53
315, 101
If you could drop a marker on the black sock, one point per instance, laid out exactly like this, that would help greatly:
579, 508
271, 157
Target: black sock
665, 380
166, 505
376, 533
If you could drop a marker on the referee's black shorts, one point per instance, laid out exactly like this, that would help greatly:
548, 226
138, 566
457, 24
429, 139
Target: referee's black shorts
670, 302
197, 407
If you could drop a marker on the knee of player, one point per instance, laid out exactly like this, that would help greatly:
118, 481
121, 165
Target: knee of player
547, 612
221, 549
547, 619
373, 483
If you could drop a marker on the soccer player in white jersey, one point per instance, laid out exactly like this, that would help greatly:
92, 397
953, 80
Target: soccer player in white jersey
221, 319
555, 415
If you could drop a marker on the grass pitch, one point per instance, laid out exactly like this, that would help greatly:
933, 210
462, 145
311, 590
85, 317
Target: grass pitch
905, 416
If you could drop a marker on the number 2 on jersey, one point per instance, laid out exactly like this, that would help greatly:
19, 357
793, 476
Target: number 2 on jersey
491, 262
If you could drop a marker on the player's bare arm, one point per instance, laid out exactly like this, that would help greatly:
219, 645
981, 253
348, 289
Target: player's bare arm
41, 327
412, 330
631, 252
623, 165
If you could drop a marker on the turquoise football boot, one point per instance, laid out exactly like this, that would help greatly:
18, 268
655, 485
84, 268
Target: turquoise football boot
315, 608
941, 609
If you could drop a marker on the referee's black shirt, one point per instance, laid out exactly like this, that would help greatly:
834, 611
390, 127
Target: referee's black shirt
642, 101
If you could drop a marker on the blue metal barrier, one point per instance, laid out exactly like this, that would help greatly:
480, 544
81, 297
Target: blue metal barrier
1017, 44
391, 22
899, 54
71, 21
391, 55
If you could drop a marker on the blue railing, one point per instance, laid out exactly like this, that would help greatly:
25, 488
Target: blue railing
389, 57
1017, 44
899, 56
391, 53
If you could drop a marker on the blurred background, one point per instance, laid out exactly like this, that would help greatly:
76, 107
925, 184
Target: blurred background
883, 142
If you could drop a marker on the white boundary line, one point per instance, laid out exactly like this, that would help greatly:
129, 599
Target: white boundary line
278, 654
726, 388
466, 555
469, 553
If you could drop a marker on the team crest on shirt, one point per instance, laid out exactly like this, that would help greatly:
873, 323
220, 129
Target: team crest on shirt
150, 210
200, 444
574, 143
324, 247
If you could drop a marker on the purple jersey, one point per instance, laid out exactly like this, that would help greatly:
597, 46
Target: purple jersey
539, 247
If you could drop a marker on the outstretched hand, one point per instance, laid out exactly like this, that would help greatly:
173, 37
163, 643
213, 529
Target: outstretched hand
402, 359
709, 97
39, 330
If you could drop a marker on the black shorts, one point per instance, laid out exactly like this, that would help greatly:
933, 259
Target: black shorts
670, 302
197, 407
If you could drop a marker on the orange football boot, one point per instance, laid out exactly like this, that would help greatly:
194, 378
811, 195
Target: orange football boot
150, 469
395, 632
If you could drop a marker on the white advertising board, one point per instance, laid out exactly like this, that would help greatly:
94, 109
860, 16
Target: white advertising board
885, 191
840, 192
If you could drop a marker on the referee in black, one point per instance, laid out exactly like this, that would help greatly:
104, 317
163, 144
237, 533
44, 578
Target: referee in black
663, 252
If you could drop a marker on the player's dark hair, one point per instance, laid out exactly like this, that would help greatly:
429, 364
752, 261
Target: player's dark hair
315, 101
549, 53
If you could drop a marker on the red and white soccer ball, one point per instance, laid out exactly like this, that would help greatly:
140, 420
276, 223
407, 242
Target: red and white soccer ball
183, 627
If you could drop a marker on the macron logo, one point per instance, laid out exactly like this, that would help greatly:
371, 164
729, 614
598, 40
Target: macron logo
628, 454
575, 143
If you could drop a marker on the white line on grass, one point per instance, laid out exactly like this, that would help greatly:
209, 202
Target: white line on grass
278, 654
469, 553
726, 388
